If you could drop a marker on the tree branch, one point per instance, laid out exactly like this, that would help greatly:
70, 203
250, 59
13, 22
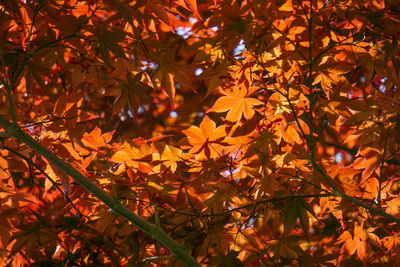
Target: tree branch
255, 204
7, 85
357, 202
312, 141
4, 135
379, 197
151, 229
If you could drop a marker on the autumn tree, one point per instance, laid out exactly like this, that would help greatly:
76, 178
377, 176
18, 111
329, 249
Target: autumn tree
215, 133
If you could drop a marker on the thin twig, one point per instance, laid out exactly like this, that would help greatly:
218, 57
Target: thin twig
161, 257
359, 203
114, 205
7, 85
251, 205
27, 56
30, 162
308, 182
295, 115
304, 10
379, 200
287, 38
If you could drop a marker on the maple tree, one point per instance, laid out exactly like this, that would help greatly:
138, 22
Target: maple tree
216, 133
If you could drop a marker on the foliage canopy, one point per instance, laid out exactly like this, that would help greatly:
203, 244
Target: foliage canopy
233, 133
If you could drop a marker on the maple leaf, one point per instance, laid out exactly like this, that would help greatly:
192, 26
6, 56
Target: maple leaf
296, 209
95, 139
216, 75
66, 102
238, 103
169, 72
134, 156
289, 248
169, 155
56, 175
392, 206
167, 82
206, 139
356, 242
133, 90
391, 242
193, 5
108, 39
291, 134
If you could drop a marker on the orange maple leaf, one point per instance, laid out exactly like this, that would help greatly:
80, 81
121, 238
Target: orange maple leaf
206, 139
95, 139
238, 103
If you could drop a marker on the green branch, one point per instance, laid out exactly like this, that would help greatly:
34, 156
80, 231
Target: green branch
156, 232
337, 192
312, 142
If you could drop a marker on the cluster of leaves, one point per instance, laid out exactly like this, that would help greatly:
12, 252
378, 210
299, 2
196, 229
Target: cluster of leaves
254, 133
